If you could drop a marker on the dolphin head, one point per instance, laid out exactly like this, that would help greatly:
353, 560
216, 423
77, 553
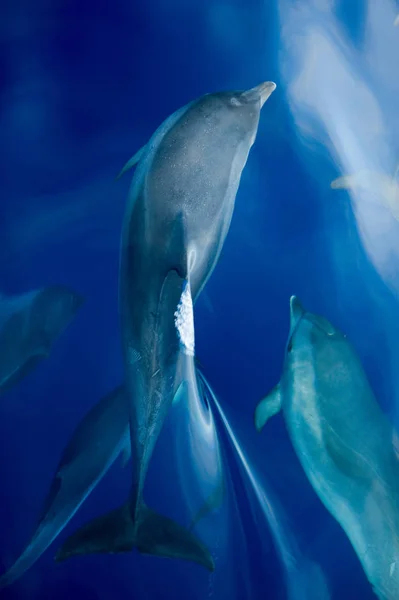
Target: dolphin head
236, 114
205, 150
256, 95
309, 330
55, 308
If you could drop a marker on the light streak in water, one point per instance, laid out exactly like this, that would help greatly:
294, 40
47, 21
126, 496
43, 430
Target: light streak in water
304, 578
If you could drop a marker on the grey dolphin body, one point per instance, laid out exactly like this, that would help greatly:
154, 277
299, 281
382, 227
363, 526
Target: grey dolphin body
343, 441
29, 327
176, 221
96, 443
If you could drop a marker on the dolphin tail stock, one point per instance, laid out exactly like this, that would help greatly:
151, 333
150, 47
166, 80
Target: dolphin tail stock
269, 406
149, 532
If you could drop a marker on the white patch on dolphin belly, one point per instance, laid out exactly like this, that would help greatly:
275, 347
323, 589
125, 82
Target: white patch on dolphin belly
184, 320
392, 569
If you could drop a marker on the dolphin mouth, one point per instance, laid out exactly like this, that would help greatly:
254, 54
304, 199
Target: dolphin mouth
261, 92
265, 91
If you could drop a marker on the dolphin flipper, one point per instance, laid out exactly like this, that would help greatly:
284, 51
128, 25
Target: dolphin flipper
269, 406
152, 533
132, 162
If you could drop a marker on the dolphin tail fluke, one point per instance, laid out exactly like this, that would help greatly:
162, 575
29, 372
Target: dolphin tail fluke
112, 533
162, 536
151, 533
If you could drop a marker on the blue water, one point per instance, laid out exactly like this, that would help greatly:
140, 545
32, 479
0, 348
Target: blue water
83, 85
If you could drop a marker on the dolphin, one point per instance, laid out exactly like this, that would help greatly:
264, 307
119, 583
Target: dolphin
343, 441
177, 217
101, 436
29, 325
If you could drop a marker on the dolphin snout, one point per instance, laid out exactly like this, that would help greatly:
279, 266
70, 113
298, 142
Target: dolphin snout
262, 91
265, 90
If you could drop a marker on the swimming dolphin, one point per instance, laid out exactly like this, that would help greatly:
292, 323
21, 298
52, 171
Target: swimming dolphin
177, 218
343, 442
29, 325
96, 443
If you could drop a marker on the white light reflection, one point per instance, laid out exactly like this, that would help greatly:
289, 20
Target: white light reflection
346, 98
198, 455
305, 579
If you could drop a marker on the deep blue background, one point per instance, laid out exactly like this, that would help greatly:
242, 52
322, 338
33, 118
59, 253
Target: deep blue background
82, 86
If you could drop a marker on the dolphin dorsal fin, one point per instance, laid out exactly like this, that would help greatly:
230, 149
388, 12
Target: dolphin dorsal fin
269, 406
132, 162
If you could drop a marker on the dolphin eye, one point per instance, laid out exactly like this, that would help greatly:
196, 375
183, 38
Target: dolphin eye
235, 102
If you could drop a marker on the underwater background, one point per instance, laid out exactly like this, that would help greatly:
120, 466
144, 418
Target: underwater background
83, 85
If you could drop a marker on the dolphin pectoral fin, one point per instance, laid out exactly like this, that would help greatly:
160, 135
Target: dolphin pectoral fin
345, 182
269, 406
132, 162
362, 179
152, 533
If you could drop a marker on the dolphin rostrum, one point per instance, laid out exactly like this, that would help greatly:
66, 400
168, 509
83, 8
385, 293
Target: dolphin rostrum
177, 218
96, 443
29, 325
343, 441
